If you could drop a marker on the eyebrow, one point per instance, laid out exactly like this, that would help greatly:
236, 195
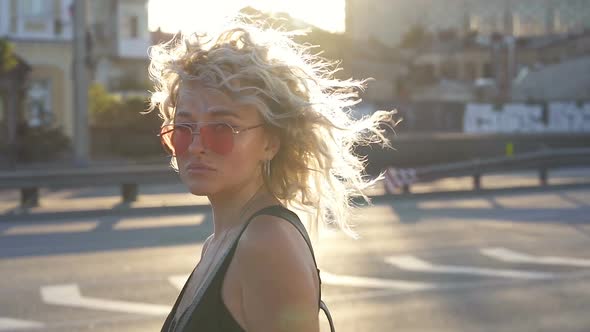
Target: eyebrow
224, 112
182, 114
215, 112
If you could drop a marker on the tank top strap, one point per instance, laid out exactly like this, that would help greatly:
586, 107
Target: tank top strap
232, 249
288, 215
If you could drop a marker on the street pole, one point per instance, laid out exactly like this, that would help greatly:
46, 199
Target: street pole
510, 65
80, 84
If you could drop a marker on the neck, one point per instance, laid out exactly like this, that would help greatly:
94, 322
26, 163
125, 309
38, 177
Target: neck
232, 208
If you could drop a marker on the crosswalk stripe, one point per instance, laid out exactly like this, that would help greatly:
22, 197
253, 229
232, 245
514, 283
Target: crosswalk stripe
87, 226
11, 324
70, 227
178, 281
69, 295
511, 256
159, 221
365, 282
411, 263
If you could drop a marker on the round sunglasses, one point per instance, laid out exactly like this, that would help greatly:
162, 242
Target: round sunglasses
215, 136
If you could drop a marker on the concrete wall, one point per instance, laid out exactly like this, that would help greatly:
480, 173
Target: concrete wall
556, 117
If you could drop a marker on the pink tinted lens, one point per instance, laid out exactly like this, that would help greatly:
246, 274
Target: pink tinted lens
218, 137
175, 139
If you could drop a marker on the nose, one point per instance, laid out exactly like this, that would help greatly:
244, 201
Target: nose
196, 146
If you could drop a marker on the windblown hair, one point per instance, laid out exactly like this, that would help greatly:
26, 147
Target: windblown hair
315, 169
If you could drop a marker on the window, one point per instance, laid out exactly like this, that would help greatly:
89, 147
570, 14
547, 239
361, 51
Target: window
448, 70
488, 70
131, 27
35, 18
39, 112
424, 74
35, 8
470, 71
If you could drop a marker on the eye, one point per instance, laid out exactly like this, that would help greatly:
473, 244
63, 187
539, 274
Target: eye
229, 123
221, 126
182, 128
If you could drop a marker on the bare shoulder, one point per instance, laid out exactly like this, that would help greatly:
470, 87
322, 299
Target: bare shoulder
278, 278
270, 237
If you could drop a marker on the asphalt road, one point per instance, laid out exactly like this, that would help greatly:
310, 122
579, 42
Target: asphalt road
486, 262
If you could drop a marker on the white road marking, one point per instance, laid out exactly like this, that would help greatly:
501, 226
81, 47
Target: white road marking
411, 263
366, 282
371, 294
155, 222
512, 256
178, 280
11, 324
69, 227
69, 295
452, 287
471, 203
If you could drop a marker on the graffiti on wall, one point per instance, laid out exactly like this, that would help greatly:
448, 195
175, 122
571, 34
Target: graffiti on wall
555, 117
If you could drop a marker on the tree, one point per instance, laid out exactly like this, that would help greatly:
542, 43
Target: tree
8, 60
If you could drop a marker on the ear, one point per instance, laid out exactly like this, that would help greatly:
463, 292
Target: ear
272, 145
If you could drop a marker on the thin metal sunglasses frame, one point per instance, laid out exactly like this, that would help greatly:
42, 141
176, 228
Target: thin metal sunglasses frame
196, 126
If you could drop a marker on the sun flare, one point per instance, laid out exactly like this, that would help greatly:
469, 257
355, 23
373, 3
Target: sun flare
174, 15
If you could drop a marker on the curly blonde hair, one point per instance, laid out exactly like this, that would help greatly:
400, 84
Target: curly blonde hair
315, 169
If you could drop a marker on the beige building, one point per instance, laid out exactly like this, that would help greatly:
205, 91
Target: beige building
388, 20
41, 32
472, 65
121, 40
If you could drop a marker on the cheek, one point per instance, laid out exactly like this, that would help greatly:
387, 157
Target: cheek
242, 163
244, 159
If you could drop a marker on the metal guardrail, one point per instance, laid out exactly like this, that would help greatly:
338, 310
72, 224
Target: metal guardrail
128, 177
414, 150
540, 160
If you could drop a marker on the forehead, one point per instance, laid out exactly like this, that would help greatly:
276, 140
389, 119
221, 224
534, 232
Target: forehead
195, 99
192, 95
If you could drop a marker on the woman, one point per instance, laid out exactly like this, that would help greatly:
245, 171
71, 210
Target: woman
257, 124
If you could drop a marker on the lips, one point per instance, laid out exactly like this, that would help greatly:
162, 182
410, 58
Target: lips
199, 167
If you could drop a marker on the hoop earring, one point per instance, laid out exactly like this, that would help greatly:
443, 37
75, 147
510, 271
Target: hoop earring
266, 169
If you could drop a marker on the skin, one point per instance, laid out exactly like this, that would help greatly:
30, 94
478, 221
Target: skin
271, 283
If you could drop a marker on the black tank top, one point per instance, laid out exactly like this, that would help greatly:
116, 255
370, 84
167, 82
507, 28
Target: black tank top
211, 314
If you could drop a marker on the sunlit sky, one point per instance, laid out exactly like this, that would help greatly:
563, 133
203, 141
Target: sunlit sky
172, 15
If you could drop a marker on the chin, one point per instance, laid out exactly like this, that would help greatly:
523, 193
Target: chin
199, 192
200, 189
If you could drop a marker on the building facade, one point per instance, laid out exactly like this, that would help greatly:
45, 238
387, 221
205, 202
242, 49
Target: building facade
388, 20
121, 39
42, 34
